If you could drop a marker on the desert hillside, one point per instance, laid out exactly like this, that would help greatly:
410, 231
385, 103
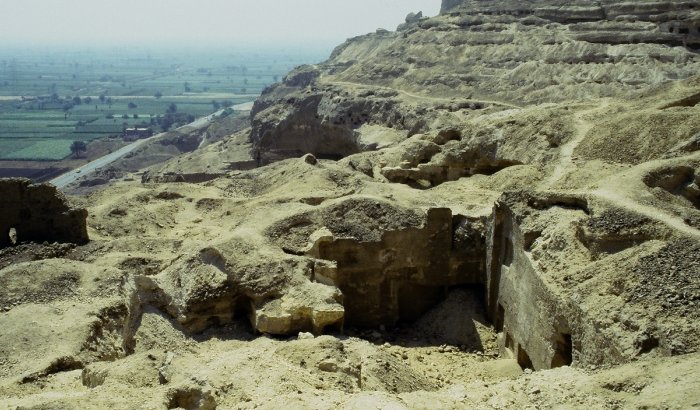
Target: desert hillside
496, 207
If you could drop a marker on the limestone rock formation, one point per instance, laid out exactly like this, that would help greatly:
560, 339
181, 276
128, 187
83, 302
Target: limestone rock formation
38, 212
414, 17
275, 295
498, 54
324, 122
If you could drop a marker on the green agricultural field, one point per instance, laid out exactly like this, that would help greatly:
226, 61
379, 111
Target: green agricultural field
50, 98
44, 149
9, 146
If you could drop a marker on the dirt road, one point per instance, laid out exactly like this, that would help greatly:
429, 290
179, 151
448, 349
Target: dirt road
72, 176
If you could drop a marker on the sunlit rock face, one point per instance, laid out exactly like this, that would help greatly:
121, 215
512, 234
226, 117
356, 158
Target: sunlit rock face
474, 55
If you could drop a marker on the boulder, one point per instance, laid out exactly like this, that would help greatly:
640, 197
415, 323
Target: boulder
414, 17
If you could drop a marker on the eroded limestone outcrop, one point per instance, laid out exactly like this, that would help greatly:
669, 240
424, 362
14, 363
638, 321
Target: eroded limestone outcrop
239, 280
673, 23
496, 55
377, 264
557, 272
297, 117
680, 181
38, 213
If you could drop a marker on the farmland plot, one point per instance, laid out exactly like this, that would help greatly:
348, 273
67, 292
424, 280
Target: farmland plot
50, 99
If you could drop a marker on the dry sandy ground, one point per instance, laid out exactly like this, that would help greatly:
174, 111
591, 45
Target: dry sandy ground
230, 368
56, 310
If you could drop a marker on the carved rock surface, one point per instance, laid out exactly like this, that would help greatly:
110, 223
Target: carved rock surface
38, 213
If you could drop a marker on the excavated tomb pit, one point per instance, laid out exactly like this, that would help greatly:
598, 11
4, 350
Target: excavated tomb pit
442, 281
401, 276
393, 286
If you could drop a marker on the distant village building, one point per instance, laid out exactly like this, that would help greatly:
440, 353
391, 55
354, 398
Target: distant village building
133, 134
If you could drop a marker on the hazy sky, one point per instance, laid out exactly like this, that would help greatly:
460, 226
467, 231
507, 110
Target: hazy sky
150, 23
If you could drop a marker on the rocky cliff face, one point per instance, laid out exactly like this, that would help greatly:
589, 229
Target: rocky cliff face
674, 23
474, 56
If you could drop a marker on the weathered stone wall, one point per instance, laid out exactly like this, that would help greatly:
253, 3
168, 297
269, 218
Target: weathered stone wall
405, 273
547, 318
38, 212
532, 319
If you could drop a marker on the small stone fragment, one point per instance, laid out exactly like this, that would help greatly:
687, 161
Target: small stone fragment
310, 159
305, 336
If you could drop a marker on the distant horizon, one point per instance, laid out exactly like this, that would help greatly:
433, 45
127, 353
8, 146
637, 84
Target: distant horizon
16, 51
166, 48
210, 24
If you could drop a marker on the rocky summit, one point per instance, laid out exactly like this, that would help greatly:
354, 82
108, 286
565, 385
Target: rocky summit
496, 207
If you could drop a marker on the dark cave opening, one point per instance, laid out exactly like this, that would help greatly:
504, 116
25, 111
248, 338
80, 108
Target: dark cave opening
648, 344
243, 309
563, 351
415, 299
329, 156
450, 317
524, 359
500, 317
234, 321
508, 252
